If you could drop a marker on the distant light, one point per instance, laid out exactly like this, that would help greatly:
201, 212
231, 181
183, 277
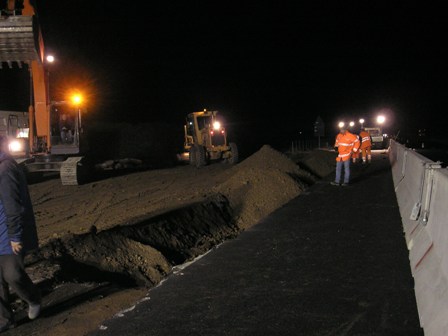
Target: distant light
23, 133
380, 119
361, 121
341, 124
50, 58
352, 123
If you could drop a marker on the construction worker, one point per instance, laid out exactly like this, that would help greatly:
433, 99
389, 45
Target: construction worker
18, 236
355, 155
346, 143
366, 146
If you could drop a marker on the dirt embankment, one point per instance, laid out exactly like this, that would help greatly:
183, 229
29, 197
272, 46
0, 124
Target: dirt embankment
124, 234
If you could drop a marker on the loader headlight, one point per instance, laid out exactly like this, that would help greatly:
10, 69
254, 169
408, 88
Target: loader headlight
216, 125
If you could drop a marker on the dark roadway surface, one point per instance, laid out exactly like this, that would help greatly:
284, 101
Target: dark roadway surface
333, 261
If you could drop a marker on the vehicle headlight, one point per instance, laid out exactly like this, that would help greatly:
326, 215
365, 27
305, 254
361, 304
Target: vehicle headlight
216, 125
16, 146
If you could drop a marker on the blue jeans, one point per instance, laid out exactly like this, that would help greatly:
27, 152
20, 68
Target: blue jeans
346, 165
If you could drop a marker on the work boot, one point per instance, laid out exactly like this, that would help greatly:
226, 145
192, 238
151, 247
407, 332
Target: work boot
334, 183
33, 311
344, 185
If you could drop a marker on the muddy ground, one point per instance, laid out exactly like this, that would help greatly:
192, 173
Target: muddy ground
105, 243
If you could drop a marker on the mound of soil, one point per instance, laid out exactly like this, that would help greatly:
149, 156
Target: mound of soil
113, 239
263, 183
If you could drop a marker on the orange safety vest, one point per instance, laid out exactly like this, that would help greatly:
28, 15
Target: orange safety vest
365, 139
346, 143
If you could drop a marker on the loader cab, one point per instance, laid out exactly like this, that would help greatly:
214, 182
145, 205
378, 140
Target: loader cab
197, 122
14, 125
203, 128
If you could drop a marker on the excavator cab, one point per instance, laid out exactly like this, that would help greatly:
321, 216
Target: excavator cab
66, 128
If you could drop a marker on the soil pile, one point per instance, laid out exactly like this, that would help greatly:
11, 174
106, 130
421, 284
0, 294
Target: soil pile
263, 183
319, 162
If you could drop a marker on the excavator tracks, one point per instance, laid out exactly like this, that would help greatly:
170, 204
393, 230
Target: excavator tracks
70, 171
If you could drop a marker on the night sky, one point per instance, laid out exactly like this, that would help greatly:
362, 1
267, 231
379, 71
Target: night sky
270, 67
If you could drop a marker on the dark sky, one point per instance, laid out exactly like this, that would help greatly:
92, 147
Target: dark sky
270, 67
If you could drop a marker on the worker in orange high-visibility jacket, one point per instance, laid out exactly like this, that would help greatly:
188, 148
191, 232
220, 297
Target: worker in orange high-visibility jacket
346, 143
366, 146
355, 155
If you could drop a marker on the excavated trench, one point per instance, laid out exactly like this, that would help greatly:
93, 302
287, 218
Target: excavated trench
140, 255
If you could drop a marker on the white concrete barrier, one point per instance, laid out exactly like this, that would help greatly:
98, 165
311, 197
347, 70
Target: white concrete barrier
421, 186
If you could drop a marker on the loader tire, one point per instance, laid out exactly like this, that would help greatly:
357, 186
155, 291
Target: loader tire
233, 153
201, 159
192, 156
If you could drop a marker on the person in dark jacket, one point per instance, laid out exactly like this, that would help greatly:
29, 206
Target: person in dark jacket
18, 235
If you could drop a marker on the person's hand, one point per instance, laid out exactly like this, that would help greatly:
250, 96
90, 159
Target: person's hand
16, 247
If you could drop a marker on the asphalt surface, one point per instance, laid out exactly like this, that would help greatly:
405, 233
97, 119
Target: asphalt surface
333, 261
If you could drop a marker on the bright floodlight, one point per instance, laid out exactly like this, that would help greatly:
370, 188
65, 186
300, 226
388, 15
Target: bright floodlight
15, 146
380, 119
341, 124
50, 58
361, 121
216, 125
77, 99
352, 123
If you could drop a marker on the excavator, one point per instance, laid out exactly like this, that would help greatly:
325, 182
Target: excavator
53, 140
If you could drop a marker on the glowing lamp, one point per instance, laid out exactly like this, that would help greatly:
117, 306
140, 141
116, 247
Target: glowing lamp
216, 125
76, 99
380, 119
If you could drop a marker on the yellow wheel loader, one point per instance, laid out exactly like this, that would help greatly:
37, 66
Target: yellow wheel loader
206, 140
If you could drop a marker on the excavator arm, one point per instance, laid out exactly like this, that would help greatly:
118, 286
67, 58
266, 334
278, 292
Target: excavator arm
21, 43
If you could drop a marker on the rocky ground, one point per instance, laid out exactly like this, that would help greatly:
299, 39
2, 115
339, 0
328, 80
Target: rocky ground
105, 243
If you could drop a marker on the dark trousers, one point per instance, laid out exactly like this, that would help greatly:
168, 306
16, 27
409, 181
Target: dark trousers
12, 274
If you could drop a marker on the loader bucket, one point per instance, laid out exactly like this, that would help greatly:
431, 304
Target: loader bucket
20, 40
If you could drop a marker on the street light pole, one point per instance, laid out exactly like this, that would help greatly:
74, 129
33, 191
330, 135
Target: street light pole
50, 59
